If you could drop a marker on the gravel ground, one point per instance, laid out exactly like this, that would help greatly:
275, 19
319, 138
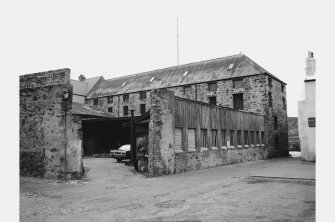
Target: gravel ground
272, 190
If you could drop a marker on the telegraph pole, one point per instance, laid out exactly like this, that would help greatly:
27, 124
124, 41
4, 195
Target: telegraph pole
177, 43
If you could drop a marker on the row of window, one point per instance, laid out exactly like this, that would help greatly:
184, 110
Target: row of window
212, 86
126, 109
250, 138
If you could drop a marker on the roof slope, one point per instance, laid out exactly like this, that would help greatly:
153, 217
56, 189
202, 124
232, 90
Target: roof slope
204, 71
85, 110
83, 87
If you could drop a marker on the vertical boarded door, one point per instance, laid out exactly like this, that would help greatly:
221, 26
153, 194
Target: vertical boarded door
177, 138
191, 139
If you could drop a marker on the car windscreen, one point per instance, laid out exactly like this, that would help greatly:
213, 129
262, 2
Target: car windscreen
125, 148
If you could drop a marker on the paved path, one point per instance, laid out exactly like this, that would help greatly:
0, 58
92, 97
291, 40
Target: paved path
254, 191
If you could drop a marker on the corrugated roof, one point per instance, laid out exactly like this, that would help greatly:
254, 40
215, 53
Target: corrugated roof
85, 110
197, 72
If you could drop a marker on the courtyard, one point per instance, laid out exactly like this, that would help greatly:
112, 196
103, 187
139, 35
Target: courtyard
281, 189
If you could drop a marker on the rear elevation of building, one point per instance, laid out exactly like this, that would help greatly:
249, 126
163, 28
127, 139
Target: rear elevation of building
235, 82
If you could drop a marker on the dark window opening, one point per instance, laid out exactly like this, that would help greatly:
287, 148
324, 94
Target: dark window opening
125, 110
231, 137
275, 122
270, 82
238, 101
203, 135
212, 86
262, 137
276, 142
143, 95
223, 138
142, 108
252, 137
284, 103
246, 137
239, 137
95, 102
110, 100
238, 83
282, 88
212, 100
126, 98
187, 89
214, 138
270, 99
110, 109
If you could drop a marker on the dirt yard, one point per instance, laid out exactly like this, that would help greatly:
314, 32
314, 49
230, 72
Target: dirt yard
272, 190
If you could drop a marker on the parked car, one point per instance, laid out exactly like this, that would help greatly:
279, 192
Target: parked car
122, 153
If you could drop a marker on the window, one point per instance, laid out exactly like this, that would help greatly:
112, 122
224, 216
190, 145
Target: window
143, 95
230, 66
95, 102
125, 110
142, 108
239, 137
238, 101
238, 83
203, 137
110, 109
152, 79
191, 139
212, 86
259, 137
275, 122
282, 87
252, 138
284, 103
212, 100
276, 142
246, 137
231, 137
214, 138
187, 89
110, 100
270, 82
270, 99
177, 138
126, 98
223, 138
262, 137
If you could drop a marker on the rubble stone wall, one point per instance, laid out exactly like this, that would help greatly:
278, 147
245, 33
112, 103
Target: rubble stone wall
45, 121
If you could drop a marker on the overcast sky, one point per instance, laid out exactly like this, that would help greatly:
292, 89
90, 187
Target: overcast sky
115, 39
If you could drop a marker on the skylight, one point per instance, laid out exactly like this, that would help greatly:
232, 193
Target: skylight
152, 79
185, 73
231, 66
123, 83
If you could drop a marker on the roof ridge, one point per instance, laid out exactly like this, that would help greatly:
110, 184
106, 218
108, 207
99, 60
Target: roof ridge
181, 66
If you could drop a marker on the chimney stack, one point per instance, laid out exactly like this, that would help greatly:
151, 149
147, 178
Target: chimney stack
310, 66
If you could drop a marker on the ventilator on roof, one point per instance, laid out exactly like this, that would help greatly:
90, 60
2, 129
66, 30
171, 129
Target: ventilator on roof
231, 66
185, 73
152, 79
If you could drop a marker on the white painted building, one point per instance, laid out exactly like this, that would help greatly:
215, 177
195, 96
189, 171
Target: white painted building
306, 112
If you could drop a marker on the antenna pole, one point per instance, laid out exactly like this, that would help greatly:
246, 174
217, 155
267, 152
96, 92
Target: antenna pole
177, 43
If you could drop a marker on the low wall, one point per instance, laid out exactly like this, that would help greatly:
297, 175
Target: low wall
191, 161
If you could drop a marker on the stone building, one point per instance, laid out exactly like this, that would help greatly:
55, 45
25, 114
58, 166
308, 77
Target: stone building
306, 112
235, 82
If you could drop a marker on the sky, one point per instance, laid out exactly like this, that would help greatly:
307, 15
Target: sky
114, 39
126, 37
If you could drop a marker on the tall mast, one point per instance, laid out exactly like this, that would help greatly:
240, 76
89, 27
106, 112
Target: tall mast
177, 43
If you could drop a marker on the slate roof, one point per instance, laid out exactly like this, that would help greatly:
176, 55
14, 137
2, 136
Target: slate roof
89, 111
84, 87
204, 71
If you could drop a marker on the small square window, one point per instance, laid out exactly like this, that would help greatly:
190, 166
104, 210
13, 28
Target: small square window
110, 109
238, 101
187, 89
143, 95
282, 87
212, 100
110, 100
212, 86
126, 98
95, 102
238, 83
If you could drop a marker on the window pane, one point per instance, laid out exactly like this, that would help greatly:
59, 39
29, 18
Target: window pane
203, 137
191, 139
238, 101
231, 137
239, 137
214, 138
246, 137
223, 138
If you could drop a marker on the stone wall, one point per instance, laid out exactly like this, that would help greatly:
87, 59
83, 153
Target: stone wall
161, 134
191, 161
45, 124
